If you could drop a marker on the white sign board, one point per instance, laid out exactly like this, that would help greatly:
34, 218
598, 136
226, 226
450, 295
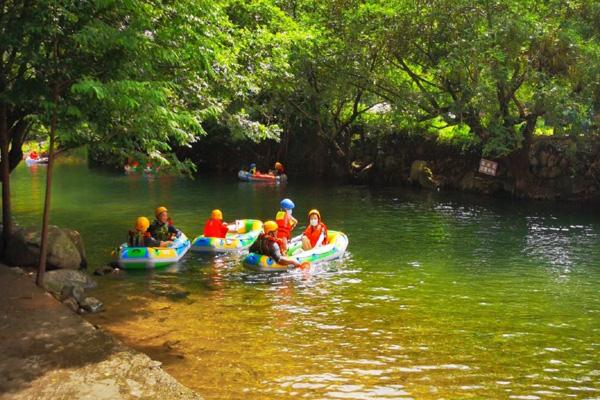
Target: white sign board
488, 167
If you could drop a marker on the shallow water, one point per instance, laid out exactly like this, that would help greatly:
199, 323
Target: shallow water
440, 295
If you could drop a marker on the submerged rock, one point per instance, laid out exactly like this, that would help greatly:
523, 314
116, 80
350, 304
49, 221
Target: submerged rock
104, 270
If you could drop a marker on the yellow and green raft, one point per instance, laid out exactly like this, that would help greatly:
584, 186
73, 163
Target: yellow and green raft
337, 242
247, 232
152, 257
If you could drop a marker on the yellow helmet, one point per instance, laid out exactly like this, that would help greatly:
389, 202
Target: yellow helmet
270, 226
142, 224
160, 210
278, 165
314, 211
216, 214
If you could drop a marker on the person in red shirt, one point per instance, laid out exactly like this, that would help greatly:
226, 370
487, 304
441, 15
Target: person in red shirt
316, 233
215, 227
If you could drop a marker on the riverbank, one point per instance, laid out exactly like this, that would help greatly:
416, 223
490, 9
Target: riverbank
50, 352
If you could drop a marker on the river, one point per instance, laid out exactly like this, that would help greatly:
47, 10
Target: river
441, 295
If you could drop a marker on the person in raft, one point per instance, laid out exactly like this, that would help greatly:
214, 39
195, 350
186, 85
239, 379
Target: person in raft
142, 238
252, 169
315, 234
215, 227
279, 170
268, 244
162, 227
285, 222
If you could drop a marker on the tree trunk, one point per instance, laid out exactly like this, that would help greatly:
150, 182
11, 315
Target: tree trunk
519, 159
4, 163
44, 239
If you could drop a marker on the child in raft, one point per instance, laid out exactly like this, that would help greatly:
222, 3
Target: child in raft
285, 222
215, 227
142, 238
315, 234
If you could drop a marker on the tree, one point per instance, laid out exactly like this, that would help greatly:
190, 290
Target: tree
501, 68
125, 75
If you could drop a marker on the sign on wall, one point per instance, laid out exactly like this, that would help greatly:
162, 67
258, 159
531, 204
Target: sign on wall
488, 167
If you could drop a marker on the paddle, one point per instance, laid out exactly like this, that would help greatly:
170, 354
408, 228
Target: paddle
304, 266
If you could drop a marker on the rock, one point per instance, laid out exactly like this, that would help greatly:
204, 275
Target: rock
71, 303
78, 242
104, 270
91, 304
553, 172
17, 270
63, 251
422, 175
55, 281
564, 163
543, 157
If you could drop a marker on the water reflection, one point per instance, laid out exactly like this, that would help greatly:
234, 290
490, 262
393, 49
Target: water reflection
440, 295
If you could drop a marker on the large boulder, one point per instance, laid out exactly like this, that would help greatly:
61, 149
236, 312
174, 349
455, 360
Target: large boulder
421, 174
65, 248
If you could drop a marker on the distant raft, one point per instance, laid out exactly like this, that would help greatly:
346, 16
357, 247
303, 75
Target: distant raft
258, 177
152, 257
337, 242
247, 232
40, 160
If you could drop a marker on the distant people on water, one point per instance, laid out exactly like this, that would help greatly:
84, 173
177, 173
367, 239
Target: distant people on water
215, 227
142, 238
279, 170
315, 234
162, 227
253, 170
285, 222
269, 244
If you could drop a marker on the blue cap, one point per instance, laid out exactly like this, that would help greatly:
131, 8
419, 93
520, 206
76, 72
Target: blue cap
287, 204
252, 165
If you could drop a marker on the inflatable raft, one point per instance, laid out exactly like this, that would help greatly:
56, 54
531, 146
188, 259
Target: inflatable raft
247, 232
40, 160
337, 242
152, 257
258, 177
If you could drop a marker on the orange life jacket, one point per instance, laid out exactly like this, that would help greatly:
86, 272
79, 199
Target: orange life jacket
215, 228
284, 224
313, 233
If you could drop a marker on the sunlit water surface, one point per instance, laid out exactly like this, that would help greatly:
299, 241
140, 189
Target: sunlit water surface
439, 296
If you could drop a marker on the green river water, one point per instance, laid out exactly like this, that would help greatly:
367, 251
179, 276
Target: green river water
440, 295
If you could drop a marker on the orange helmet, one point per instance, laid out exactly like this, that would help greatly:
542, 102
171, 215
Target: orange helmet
270, 226
314, 211
160, 210
142, 224
216, 214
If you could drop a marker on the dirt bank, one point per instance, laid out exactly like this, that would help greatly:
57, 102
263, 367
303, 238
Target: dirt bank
49, 352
